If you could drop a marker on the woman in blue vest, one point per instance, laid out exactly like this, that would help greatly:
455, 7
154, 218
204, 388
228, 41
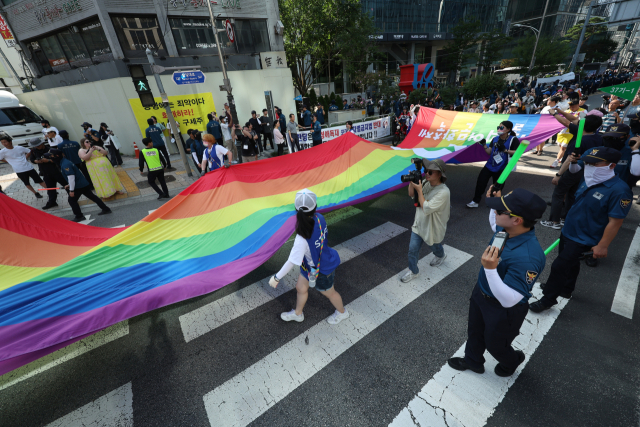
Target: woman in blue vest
317, 260
499, 150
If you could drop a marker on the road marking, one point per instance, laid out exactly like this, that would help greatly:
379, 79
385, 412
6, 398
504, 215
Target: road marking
465, 399
625, 298
120, 226
64, 354
152, 211
335, 217
113, 409
87, 220
245, 397
211, 316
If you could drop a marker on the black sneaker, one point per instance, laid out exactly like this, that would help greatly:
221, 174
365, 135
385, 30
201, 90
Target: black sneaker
79, 218
538, 307
502, 372
166, 196
38, 196
459, 364
108, 211
49, 206
160, 197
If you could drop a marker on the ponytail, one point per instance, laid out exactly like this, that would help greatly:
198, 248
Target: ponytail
304, 223
512, 133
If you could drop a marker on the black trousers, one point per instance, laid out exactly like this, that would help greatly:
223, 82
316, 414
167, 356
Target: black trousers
483, 180
268, 136
114, 155
83, 168
51, 181
316, 142
151, 179
295, 142
259, 143
564, 195
280, 149
564, 270
84, 191
493, 328
165, 153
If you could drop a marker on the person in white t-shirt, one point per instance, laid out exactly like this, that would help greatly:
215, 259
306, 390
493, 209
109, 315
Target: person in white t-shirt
17, 157
213, 154
46, 127
551, 103
52, 138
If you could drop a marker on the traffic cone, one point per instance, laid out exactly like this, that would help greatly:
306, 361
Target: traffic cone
135, 147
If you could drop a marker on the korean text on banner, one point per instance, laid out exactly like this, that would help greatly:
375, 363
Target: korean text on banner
7, 35
373, 129
188, 111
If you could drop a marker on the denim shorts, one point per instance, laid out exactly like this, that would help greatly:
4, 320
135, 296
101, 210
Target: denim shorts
323, 282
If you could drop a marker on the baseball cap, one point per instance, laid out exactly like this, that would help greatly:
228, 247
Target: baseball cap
306, 200
547, 93
617, 130
602, 154
513, 105
595, 113
437, 165
520, 202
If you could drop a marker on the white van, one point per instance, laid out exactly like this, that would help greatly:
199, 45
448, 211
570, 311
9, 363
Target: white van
20, 122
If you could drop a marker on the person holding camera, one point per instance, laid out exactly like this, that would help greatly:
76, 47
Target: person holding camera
111, 142
499, 150
602, 203
249, 144
317, 260
432, 213
104, 177
256, 127
500, 299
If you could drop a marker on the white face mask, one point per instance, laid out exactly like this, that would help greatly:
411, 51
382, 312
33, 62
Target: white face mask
595, 175
500, 132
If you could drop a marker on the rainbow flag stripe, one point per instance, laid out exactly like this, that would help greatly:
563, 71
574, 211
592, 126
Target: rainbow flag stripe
62, 281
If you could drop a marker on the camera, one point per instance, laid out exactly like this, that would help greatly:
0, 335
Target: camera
415, 175
48, 156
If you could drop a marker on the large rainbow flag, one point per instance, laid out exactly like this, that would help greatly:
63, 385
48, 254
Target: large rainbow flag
61, 282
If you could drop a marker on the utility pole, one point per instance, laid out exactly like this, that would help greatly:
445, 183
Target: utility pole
535, 46
225, 79
172, 120
581, 39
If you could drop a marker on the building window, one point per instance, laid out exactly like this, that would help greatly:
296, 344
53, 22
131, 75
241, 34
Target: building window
137, 33
193, 36
53, 54
74, 48
95, 41
252, 36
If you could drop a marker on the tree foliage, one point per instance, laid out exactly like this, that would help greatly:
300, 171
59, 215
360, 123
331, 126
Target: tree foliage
597, 44
482, 85
492, 49
316, 31
461, 48
574, 32
549, 54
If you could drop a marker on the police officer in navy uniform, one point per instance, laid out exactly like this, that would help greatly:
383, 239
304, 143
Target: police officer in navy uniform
499, 301
603, 200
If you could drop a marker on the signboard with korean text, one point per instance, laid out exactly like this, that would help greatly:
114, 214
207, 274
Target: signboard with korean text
190, 111
625, 91
277, 59
7, 35
373, 129
188, 77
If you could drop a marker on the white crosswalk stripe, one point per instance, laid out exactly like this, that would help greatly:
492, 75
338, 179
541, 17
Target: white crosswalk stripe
114, 409
213, 315
120, 226
245, 397
87, 220
466, 399
64, 354
624, 299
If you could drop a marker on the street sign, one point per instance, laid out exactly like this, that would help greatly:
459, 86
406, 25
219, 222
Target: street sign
229, 28
188, 77
626, 91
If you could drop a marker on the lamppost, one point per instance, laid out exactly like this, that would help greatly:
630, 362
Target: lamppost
535, 46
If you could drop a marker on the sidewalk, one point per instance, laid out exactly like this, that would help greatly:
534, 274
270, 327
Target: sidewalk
136, 186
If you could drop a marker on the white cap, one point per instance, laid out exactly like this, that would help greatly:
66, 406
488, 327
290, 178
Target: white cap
305, 200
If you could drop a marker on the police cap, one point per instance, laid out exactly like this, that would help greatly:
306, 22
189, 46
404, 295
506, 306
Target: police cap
520, 202
602, 154
617, 130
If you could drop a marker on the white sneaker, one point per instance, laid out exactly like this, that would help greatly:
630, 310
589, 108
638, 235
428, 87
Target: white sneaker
409, 277
337, 317
551, 224
554, 164
472, 205
291, 315
435, 262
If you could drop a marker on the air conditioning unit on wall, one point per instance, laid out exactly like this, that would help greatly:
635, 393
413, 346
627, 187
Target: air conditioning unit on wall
279, 28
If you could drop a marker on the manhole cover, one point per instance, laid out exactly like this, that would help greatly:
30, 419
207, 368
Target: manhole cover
145, 184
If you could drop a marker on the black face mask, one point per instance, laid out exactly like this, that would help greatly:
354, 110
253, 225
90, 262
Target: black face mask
613, 142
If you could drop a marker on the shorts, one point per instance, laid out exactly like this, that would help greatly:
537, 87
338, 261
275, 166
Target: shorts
564, 144
24, 177
323, 282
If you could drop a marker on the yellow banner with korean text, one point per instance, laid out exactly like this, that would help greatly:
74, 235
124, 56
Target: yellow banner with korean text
190, 111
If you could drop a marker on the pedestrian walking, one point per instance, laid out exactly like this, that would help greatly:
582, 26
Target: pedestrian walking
70, 150
317, 260
214, 153
228, 138
156, 165
18, 158
197, 148
48, 170
316, 134
155, 133
111, 143
213, 127
267, 130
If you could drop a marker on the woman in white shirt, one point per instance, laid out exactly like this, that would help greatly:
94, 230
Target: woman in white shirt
317, 260
277, 135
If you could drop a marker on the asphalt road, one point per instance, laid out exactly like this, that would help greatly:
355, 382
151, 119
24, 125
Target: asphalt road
582, 372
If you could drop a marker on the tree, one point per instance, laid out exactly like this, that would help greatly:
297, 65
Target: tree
574, 32
313, 98
448, 94
483, 85
600, 45
461, 48
549, 54
491, 50
363, 80
316, 31
417, 96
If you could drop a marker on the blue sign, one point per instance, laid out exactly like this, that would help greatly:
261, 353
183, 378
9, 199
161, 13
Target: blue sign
298, 98
188, 77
